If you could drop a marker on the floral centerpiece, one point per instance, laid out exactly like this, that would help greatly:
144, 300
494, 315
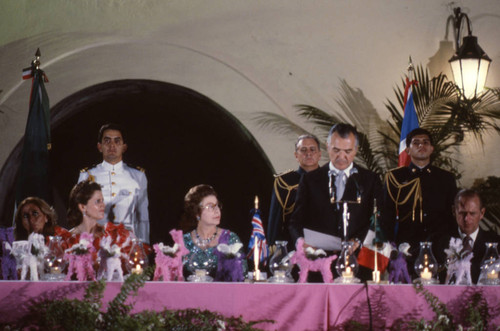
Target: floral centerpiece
229, 266
168, 259
79, 257
309, 259
458, 260
110, 260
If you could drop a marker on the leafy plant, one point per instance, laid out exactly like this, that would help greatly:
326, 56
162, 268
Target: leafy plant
439, 109
489, 189
86, 314
474, 316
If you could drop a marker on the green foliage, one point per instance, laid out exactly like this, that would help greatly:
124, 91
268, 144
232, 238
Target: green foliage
489, 189
439, 109
474, 316
86, 314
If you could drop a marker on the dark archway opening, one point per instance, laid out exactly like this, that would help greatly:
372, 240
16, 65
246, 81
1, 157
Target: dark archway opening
179, 136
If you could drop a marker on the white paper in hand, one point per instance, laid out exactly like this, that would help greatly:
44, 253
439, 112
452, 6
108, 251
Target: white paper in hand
322, 240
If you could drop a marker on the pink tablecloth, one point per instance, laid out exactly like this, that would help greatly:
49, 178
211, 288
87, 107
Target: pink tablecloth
292, 306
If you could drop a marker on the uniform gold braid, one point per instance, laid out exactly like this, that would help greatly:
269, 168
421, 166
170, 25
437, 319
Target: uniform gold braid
415, 188
280, 183
91, 177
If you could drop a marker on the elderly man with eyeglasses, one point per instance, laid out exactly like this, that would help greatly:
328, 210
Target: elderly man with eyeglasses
307, 153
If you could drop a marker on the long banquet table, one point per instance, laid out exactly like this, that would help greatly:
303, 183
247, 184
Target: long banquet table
292, 306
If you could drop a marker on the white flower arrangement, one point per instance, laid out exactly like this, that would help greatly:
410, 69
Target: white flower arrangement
313, 254
230, 251
111, 250
455, 251
167, 250
81, 248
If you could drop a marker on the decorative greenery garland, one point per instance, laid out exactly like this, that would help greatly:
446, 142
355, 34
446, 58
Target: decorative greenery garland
86, 314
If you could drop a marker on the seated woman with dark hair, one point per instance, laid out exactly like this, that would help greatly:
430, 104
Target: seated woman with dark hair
202, 213
86, 207
35, 215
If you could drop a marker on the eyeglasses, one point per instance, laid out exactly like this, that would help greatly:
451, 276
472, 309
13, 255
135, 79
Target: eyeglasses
211, 206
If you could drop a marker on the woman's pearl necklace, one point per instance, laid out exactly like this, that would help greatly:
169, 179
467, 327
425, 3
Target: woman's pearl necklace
204, 242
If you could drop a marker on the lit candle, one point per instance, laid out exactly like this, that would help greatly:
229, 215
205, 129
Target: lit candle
256, 253
492, 275
347, 273
426, 274
137, 270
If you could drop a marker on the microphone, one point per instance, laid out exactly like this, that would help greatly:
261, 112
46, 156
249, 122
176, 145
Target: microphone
358, 191
331, 185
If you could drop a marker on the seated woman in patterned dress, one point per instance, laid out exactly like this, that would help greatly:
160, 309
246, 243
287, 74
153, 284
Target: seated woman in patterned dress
202, 213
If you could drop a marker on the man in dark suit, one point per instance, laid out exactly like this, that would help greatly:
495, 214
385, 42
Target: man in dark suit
319, 203
307, 153
469, 211
418, 199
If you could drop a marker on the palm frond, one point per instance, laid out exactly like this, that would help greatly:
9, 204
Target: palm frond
278, 123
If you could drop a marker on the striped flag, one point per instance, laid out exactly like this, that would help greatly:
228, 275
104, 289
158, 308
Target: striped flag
28, 73
410, 121
375, 245
259, 236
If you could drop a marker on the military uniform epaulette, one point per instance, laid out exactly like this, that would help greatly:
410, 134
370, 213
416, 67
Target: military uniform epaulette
136, 167
86, 169
397, 168
283, 173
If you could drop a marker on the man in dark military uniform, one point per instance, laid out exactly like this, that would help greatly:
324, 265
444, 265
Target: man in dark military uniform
418, 199
308, 154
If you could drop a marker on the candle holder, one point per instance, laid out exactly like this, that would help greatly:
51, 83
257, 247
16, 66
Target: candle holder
280, 265
54, 262
347, 265
256, 276
201, 266
426, 265
137, 258
489, 266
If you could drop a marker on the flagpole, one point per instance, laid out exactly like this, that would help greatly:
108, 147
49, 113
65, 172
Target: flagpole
376, 272
411, 71
33, 174
256, 247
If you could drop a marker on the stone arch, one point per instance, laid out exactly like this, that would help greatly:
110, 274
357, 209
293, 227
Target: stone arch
179, 136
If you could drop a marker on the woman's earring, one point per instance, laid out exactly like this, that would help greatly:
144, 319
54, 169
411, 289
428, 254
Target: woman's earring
197, 218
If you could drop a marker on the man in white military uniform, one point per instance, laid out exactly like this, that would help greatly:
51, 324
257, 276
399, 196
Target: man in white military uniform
124, 188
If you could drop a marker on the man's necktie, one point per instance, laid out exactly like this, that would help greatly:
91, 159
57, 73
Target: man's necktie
468, 244
340, 184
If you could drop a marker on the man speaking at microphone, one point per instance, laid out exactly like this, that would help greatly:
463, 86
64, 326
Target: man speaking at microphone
323, 193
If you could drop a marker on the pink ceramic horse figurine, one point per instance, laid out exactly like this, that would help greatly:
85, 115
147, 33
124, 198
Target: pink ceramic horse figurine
80, 258
168, 260
305, 264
